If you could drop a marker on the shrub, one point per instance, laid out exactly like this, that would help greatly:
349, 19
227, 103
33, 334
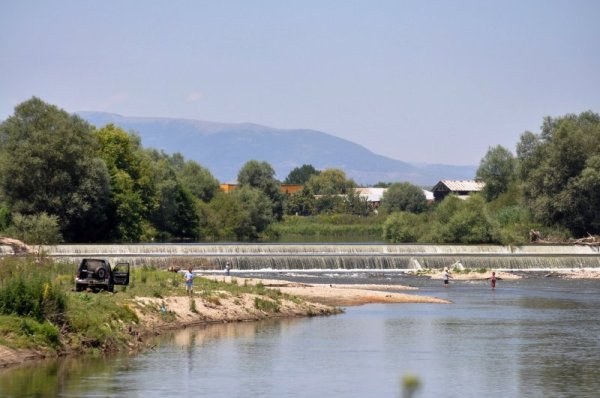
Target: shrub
400, 228
33, 297
266, 305
40, 228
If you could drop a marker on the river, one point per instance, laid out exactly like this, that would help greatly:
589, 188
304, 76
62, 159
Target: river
528, 338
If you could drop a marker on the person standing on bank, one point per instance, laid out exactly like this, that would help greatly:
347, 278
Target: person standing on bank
227, 268
189, 281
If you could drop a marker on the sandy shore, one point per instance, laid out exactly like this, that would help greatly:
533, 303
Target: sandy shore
339, 294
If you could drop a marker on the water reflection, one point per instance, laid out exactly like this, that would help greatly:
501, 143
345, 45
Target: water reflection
526, 339
58, 378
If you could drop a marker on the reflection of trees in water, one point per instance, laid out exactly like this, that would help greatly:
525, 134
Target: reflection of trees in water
561, 357
251, 350
73, 377
204, 334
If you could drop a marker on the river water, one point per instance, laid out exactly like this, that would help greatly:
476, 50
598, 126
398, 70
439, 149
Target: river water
528, 338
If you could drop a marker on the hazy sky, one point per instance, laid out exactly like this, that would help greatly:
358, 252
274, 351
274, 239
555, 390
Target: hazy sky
421, 81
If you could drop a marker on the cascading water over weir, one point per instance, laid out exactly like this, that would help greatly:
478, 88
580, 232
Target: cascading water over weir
336, 256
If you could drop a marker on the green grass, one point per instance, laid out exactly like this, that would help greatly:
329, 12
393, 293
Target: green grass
99, 320
56, 317
266, 305
336, 227
24, 332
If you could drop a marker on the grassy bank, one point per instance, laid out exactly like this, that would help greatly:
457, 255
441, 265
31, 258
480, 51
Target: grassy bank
335, 227
40, 311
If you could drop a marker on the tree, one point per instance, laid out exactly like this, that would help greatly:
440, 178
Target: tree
36, 229
301, 203
5, 217
261, 175
300, 175
404, 197
560, 172
48, 165
470, 223
399, 227
330, 182
174, 213
382, 184
121, 153
357, 205
244, 214
498, 170
460, 221
257, 211
330, 204
527, 154
196, 179
224, 214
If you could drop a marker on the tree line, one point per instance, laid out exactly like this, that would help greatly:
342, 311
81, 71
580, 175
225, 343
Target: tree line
551, 187
62, 179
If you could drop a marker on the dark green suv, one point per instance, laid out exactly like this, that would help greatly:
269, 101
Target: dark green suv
97, 274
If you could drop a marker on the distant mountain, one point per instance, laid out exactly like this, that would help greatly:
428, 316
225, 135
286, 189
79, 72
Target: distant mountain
224, 147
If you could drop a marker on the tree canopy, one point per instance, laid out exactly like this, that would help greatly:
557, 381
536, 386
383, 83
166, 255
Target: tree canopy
61, 178
330, 182
404, 197
300, 175
498, 170
560, 172
48, 165
261, 175
129, 182
198, 180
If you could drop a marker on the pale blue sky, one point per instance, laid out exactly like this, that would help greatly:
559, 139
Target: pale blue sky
420, 81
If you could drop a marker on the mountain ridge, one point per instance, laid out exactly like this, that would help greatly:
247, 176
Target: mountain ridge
223, 148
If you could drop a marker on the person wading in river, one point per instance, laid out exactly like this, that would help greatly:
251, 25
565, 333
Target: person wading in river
446, 277
493, 280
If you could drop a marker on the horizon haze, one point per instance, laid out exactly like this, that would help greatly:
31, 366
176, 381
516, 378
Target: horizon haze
424, 82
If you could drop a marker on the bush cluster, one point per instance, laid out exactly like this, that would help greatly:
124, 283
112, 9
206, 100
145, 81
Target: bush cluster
33, 297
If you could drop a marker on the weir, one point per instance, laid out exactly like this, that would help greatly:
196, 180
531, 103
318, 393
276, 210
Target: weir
336, 256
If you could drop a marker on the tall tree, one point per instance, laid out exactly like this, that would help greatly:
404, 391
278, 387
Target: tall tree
261, 175
404, 197
300, 175
225, 214
48, 165
257, 210
122, 154
330, 182
560, 171
498, 170
198, 181
174, 213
